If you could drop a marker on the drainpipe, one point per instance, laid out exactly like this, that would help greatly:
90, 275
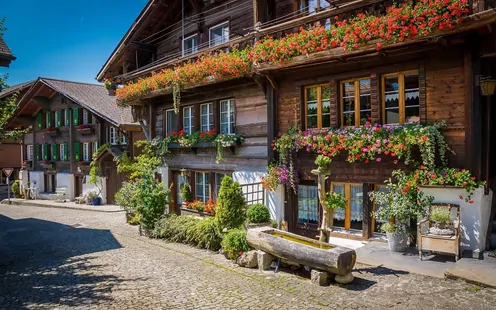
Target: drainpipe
182, 25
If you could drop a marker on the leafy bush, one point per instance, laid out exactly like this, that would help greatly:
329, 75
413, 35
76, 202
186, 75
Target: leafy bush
151, 199
16, 187
234, 243
205, 234
185, 191
125, 196
135, 220
258, 213
174, 228
231, 204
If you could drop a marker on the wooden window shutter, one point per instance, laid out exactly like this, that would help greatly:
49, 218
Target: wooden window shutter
58, 117
45, 151
36, 151
77, 151
75, 116
55, 152
66, 152
39, 120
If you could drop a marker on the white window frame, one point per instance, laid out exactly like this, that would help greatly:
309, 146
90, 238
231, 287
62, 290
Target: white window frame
86, 151
210, 112
188, 114
122, 138
210, 41
86, 117
67, 117
113, 135
230, 123
61, 152
29, 152
194, 49
95, 147
205, 195
167, 131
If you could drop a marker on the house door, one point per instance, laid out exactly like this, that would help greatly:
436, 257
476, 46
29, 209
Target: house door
178, 180
50, 183
78, 186
110, 171
308, 211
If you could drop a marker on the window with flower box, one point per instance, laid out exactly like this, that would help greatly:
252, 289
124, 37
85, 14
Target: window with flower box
202, 183
352, 216
356, 107
86, 117
188, 120
86, 151
317, 106
227, 116
170, 121
313, 6
190, 45
219, 34
400, 97
206, 117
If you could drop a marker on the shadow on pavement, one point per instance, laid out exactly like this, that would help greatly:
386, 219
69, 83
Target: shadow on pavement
38, 264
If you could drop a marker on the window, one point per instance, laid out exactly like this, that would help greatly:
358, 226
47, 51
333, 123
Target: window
190, 45
308, 204
312, 6
219, 34
122, 138
62, 152
400, 97
227, 116
48, 119
318, 106
170, 121
85, 117
206, 117
180, 180
352, 216
58, 118
218, 181
355, 102
202, 186
188, 121
67, 117
113, 135
86, 151
95, 148
376, 224
44, 155
29, 152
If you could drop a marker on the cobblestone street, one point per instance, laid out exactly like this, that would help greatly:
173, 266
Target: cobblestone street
68, 259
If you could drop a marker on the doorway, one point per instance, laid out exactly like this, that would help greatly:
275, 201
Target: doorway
50, 182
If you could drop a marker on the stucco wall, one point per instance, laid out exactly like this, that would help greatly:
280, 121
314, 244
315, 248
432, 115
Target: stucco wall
93, 188
474, 217
66, 180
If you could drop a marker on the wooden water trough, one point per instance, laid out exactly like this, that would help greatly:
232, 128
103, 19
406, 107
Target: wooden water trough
304, 251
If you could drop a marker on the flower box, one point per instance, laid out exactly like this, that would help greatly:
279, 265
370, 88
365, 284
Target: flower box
47, 165
84, 129
51, 131
185, 211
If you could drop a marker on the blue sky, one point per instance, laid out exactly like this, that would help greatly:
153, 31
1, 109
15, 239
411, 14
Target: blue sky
63, 39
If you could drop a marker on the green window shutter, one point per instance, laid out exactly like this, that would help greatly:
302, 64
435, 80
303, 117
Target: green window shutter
49, 119
39, 120
45, 151
58, 117
75, 116
77, 151
66, 152
55, 153
37, 151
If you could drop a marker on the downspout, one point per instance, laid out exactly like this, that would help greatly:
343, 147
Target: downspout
182, 25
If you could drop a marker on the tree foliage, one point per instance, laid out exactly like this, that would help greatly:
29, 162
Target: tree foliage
143, 165
231, 206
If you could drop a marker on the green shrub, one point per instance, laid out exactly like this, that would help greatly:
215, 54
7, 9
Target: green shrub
185, 192
231, 204
174, 228
135, 220
205, 234
151, 199
16, 187
234, 243
125, 196
258, 213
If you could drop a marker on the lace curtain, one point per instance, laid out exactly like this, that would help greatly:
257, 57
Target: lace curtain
308, 204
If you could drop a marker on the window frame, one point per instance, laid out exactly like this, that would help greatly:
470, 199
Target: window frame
122, 138
94, 147
229, 124
86, 146
167, 132
48, 124
210, 41
357, 110
86, 117
194, 49
113, 135
62, 152
347, 193
401, 94
319, 104
191, 116
210, 112
67, 117
30, 152
206, 185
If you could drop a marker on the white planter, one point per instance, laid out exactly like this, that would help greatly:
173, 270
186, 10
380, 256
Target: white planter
474, 217
397, 241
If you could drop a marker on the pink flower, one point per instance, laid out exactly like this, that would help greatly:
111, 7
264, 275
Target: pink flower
379, 159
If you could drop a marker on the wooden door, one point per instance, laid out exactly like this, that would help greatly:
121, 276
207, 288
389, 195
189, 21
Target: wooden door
78, 186
307, 211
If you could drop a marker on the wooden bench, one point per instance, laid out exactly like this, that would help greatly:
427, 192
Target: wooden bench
59, 195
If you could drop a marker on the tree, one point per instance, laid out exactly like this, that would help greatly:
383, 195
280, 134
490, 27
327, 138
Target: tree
231, 204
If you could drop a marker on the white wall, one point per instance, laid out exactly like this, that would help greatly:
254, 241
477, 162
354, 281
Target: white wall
93, 188
474, 217
164, 171
37, 176
66, 180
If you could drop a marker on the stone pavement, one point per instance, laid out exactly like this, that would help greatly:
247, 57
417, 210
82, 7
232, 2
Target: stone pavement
62, 205
68, 259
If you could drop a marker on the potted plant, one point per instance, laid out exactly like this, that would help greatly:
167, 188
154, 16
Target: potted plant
322, 163
401, 202
334, 201
111, 87
93, 199
440, 217
16, 188
25, 191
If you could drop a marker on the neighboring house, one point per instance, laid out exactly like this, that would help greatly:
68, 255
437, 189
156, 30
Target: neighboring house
6, 56
428, 79
10, 151
225, 108
70, 121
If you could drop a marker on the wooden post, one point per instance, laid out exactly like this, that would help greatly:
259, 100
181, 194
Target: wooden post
327, 213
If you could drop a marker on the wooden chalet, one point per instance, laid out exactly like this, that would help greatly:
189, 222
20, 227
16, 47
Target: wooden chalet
431, 78
69, 122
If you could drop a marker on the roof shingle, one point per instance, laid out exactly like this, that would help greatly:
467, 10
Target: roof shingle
12, 89
5, 51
